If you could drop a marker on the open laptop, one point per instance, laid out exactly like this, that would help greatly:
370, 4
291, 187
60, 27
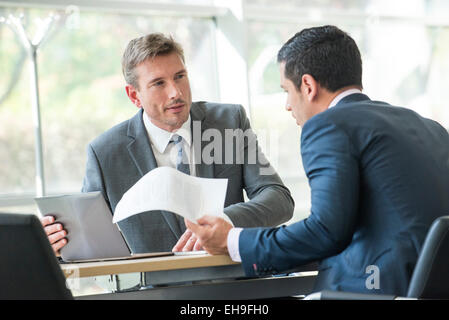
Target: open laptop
28, 267
91, 234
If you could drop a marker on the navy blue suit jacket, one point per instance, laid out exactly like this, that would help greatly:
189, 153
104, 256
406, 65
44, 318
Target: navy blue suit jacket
379, 176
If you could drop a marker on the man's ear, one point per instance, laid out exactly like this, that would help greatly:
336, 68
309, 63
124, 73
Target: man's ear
309, 86
133, 96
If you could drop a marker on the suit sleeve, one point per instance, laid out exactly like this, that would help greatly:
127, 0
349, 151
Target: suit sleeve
270, 202
331, 166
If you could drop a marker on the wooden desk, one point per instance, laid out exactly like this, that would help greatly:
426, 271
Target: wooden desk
228, 278
159, 270
167, 263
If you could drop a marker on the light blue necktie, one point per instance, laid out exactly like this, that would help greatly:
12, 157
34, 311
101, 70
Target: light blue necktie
182, 164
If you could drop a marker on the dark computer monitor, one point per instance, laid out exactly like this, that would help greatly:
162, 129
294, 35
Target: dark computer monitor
28, 267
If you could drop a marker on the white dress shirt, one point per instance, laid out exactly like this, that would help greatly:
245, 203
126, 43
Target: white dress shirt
234, 233
166, 153
342, 95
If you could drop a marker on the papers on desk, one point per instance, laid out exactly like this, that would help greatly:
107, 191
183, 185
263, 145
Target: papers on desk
168, 189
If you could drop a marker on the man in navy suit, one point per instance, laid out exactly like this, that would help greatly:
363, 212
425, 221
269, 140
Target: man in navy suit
379, 176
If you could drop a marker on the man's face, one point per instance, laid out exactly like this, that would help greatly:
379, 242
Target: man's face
296, 103
164, 91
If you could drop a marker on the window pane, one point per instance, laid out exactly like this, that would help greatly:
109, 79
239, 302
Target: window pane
269, 114
374, 7
82, 89
16, 129
299, 4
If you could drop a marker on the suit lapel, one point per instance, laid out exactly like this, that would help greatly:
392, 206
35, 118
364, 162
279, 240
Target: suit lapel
143, 157
139, 148
199, 125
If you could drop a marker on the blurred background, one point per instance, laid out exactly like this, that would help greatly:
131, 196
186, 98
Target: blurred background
230, 49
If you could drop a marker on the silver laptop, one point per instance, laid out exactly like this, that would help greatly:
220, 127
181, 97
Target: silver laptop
91, 234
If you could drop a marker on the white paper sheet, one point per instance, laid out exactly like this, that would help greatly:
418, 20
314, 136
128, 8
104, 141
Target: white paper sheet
168, 189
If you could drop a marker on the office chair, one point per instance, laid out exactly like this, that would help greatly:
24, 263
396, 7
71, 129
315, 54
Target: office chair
430, 278
28, 267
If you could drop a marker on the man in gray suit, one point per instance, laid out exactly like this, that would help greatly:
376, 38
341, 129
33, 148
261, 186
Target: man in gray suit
157, 83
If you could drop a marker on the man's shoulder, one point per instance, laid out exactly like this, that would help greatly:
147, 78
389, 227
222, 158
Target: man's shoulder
214, 112
349, 114
213, 108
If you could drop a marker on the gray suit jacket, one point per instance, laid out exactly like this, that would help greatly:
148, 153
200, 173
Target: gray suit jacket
118, 158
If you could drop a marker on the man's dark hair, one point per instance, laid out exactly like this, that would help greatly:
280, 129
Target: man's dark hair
327, 53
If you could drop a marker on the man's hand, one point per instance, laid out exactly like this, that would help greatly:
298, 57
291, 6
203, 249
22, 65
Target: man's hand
55, 233
212, 233
187, 242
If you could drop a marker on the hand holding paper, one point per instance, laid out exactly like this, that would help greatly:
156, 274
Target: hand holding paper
165, 188
212, 233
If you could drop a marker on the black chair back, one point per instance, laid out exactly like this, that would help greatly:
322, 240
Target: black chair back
430, 279
28, 267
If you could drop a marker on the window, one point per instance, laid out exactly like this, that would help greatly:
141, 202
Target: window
81, 90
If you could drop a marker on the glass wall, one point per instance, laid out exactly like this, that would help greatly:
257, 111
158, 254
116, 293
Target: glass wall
81, 89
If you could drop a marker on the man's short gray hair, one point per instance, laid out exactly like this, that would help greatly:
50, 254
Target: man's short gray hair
147, 47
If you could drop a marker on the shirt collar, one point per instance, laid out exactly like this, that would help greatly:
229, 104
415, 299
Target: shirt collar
342, 95
160, 138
